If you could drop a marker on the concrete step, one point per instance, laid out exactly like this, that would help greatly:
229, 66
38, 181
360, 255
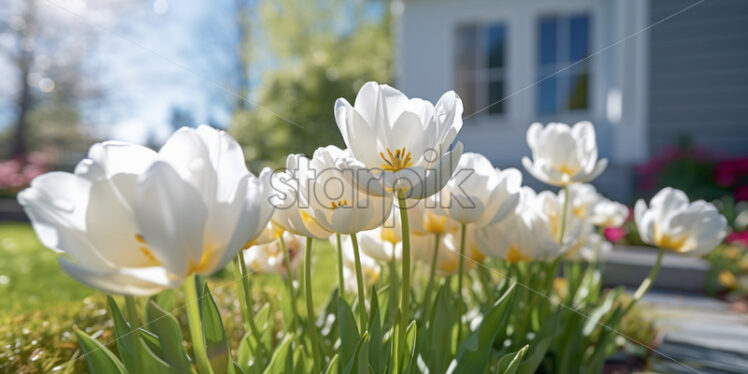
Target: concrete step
697, 334
628, 265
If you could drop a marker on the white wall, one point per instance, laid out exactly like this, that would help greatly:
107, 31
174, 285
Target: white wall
425, 58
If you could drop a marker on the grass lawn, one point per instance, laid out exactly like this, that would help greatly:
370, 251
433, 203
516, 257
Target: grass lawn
40, 303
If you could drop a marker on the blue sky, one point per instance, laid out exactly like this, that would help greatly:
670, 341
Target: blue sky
156, 55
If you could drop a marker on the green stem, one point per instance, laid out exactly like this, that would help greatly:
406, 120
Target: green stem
647, 282
461, 269
289, 282
405, 290
132, 311
563, 215
310, 304
245, 301
392, 300
360, 284
432, 273
341, 281
192, 302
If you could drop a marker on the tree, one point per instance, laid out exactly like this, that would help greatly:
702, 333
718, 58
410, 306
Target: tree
43, 53
321, 51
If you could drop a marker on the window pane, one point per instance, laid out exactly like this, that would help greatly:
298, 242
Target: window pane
466, 47
548, 95
579, 37
578, 90
548, 41
495, 97
495, 39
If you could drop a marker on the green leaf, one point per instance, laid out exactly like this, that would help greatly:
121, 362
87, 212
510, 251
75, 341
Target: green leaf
475, 351
333, 366
216, 343
151, 341
169, 335
378, 350
165, 299
541, 342
510, 362
135, 354
100, 359
300, 360
360, 362
599, 312
245, 353
126, 342
238, 369
349, 334
282, 360
264, 322
410, 346
439, 334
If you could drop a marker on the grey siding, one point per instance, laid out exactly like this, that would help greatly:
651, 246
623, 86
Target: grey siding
699, 75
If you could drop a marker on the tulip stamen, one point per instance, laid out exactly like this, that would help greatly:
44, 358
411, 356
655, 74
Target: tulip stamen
148, 254
514, 255
397, 161
334, 205
145, 251
668, 241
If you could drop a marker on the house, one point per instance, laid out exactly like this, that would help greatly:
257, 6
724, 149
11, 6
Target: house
645, 72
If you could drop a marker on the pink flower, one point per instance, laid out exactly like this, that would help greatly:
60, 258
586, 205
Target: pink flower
614, 234
740, 237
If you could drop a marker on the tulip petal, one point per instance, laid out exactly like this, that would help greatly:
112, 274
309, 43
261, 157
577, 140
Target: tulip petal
171, 217
438, 177
123, 281
121, 158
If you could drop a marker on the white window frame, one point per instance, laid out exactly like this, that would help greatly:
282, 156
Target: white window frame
483, 75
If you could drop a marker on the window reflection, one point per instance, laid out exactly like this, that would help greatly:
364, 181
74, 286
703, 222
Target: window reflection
563, 64
480, 64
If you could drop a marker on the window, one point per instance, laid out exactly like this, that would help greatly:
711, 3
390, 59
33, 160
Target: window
481, 65
563, 64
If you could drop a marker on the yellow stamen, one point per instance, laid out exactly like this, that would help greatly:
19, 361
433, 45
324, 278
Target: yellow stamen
148, 254
334, 205
435, 224
398, 161
566, 169
145, 251
202, 266
387, 234
515, 255
668, 241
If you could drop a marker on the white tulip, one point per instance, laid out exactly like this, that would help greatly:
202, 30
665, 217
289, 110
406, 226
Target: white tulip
133, 221
480, 193
369, 268
269, 257
526, 235
562, 155
607, 213
398, 143
425, 218
333, 201
583, 198
448, 258
290, 204
551, 206
382, 243
592, 248
671, 222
